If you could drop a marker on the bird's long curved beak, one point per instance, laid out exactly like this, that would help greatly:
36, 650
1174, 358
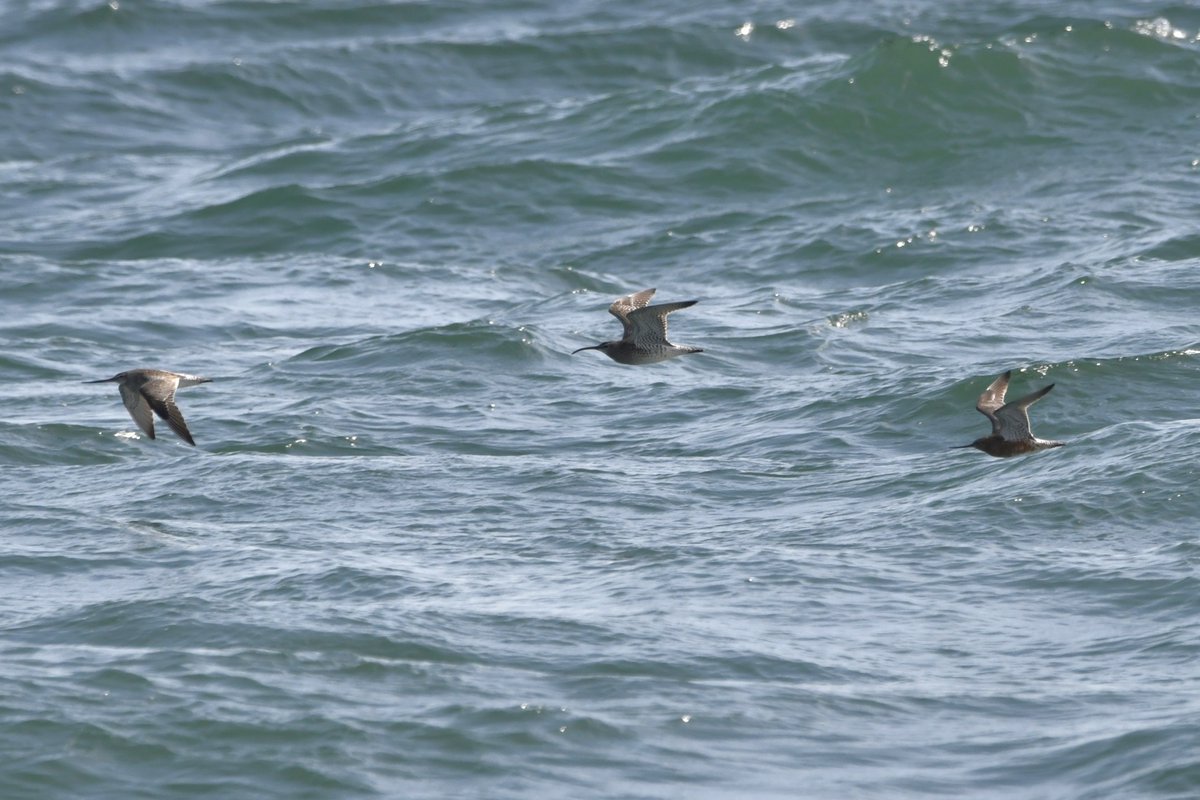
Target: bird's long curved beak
961, 446
580, 350
102, 380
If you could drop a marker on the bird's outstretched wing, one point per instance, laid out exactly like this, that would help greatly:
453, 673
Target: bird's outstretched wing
1011, 421
648, 326
993, 396
622, 307
160, 395
992, 400
138, 408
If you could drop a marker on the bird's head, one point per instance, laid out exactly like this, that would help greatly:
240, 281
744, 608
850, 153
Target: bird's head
120, 376
603, 347
992, 445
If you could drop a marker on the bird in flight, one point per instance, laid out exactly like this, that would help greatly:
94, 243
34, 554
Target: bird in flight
147, 392
645, 331
1011, 435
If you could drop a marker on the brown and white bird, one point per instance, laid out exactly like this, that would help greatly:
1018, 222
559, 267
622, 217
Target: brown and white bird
645, 337
1011, 435
147, 392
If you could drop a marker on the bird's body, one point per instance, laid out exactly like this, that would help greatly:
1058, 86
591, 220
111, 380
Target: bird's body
645, 331
1011, 434
147, 392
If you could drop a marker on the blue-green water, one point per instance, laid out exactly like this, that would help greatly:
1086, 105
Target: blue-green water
422, 551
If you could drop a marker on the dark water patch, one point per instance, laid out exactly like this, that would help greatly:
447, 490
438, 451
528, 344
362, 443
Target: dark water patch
1110, 589
1106, 763
55, 444
195, 622
745, 668
285, 210
351, 583
1185, 247
446, 347
50, 564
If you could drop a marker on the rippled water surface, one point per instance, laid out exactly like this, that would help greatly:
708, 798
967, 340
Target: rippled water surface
422, 551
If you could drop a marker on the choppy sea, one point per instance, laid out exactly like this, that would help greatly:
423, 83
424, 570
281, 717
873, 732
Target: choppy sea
422, 551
